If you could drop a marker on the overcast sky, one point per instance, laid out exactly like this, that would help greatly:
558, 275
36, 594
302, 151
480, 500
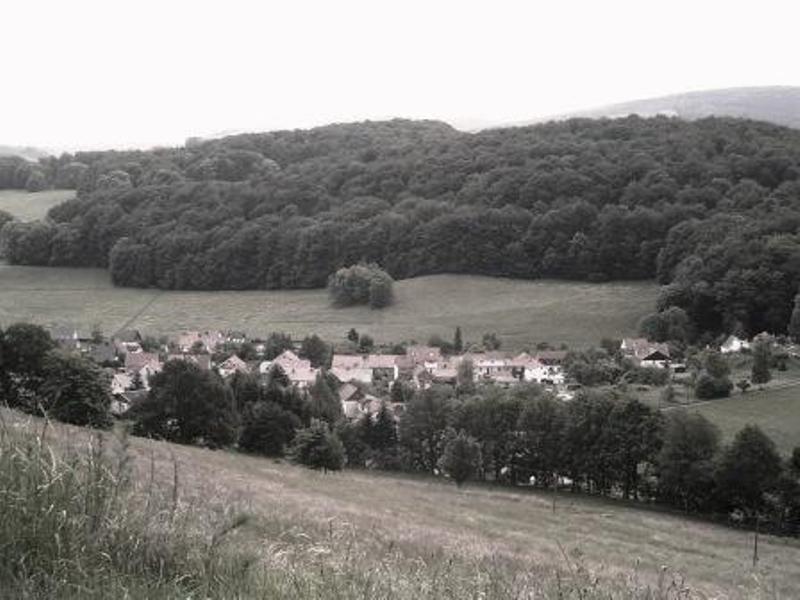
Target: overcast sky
114, 73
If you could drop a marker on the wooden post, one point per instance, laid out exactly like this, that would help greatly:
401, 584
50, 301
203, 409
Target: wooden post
755, 541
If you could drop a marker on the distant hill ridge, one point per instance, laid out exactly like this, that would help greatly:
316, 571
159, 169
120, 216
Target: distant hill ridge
774, 104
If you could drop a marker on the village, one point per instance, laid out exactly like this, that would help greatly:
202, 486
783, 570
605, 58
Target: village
364, 379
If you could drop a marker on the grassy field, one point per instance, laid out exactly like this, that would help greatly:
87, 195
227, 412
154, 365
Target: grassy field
31, 206
365, 535
521, 312
775, 410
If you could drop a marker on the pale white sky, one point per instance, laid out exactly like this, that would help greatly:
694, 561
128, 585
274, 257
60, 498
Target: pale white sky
114, 73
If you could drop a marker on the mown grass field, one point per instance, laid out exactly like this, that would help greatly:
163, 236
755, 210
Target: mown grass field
361, 534
31, 206
522, 313
775, 410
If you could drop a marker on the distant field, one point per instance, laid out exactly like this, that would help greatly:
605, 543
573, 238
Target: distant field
417, 529
521, 312
776, 411
31, 206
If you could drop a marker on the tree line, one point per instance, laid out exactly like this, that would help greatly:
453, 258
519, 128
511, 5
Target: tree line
708, 207
602, 442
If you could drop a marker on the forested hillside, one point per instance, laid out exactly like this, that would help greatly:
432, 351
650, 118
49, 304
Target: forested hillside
711, 207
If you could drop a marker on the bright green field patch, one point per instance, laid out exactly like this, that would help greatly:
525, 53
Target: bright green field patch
31, 206
521, 312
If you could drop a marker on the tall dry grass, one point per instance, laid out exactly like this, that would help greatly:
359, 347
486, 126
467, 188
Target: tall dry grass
79, 521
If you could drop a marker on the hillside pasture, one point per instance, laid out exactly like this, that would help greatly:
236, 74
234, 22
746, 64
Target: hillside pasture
32, 206
522, 313
359, 534
776, 410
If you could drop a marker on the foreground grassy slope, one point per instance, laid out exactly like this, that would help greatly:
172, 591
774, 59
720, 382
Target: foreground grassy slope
31, 206
521, 312
358, 534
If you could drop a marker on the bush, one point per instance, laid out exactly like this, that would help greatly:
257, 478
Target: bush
361, 284
707, 387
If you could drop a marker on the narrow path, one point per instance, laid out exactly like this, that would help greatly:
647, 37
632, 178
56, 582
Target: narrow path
139, 312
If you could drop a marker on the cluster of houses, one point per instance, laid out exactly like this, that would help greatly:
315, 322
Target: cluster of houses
131, 367
131, 364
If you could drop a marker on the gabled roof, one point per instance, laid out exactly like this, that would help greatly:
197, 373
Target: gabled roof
233, 363
420, 354
135, 361
643, 349
348, 392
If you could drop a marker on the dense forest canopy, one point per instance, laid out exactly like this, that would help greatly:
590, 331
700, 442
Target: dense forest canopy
710, 207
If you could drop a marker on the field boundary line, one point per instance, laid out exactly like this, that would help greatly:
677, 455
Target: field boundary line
139, 312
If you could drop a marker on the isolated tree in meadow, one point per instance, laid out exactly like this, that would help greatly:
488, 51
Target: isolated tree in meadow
75, 390
749, 469
361, 284
762, 356
352, 335
317, 447
461, 458
686, 460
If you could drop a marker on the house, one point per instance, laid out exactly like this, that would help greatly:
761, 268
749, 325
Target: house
120, 382
298, 370
129, 336
104, 353
646, 353
121, 403
489, 365
368, 368
145, 364
351, 367
201, 360
384, 366
426, 356
350, 393
734, 344
207, 340
236, 337
123, 347
444, 374
551, 357
70, 338
232, 364
135, 361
